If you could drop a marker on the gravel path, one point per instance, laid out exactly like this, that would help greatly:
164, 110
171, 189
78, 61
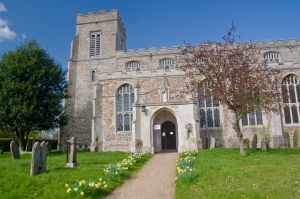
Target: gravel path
154, 181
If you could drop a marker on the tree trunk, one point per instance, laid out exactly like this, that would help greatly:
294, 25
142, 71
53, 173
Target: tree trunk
239, 135
26, 140
21, 141
242, 147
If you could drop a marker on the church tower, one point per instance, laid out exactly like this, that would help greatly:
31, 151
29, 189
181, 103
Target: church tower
93, 52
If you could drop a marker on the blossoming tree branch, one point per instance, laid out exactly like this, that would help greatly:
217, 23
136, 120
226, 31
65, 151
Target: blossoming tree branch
234, 74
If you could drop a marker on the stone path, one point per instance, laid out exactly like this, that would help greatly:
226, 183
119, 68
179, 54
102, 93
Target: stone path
155, 180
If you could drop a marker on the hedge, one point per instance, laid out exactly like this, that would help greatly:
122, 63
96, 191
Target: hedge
5, 142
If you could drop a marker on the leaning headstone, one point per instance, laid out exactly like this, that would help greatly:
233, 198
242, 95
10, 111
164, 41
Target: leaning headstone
14, 148
212, 142
71, 153
39, 158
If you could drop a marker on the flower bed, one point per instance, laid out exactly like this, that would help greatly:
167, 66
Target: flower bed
112, 170
92, 186
184, 166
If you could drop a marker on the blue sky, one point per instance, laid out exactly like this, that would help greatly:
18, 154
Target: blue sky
151, 23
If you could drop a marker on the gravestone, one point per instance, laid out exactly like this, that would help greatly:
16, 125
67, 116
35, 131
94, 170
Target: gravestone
14, 148
71, 153
44, 154
254, 142
212, 142
39, 158
286, 138
263, 145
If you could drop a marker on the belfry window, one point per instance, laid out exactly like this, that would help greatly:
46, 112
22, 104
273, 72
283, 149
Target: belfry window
271, 57
209, 112
124, 101
133, 66
95, 44
291, 99
166, 63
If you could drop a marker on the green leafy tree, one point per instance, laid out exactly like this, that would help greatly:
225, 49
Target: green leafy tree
32, 89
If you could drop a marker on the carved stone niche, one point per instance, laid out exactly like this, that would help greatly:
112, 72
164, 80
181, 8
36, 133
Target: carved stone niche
189, 129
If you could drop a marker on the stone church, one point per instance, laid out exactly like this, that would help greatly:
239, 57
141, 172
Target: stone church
134, 100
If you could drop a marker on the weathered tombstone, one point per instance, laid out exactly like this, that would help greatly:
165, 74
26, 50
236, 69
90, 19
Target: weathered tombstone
254, 142
296, 139
35, 159
44, 154
286, 138
14, 148
263, 145
39, 158
71, 153
212, 142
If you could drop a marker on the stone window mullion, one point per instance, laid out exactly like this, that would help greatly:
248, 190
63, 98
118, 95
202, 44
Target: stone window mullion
296, 98
125, 91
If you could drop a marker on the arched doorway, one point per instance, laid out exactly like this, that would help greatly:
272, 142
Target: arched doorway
168, 136
164, 131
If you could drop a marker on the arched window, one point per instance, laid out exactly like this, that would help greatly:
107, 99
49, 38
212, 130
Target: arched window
133, 66
166, 63
95, 42
270, 57
124, 101
291, 99
209, 112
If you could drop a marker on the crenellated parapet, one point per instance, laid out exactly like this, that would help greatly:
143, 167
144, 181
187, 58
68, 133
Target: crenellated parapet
101, 16
277, 43
149, 51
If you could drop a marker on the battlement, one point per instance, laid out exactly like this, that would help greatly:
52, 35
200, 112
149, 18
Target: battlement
176, 49
277, 43
101, 16
147, 51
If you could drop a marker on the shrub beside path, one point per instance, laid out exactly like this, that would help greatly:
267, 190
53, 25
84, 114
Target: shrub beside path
155, 180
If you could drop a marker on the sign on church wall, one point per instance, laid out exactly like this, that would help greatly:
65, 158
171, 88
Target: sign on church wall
157, 127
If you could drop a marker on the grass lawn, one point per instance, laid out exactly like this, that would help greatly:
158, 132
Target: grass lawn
15, 181
223, 173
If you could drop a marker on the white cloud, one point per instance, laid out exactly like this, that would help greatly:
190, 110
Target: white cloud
2, 7
5, 32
